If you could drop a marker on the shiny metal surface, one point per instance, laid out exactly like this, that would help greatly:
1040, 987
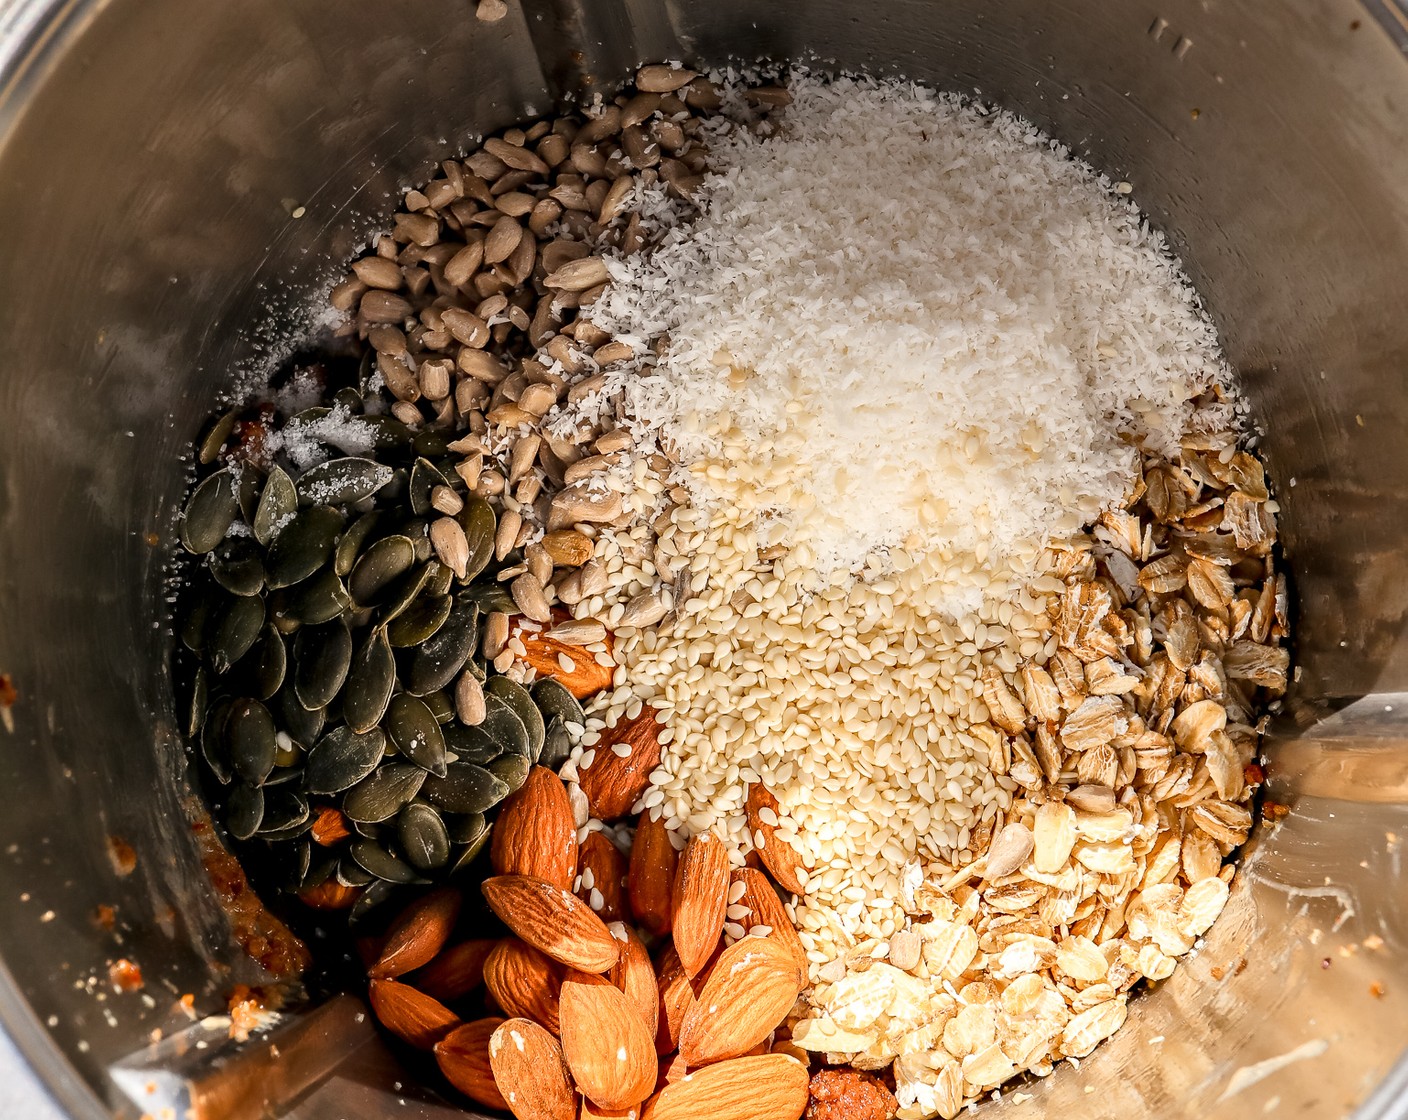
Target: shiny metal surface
151, 157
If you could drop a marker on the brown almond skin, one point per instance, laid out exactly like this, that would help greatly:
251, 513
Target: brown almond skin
410, 1015
456, 971
592, 1112
418, 934
760, 897
635, 976
605, 1042
532, 1077
762, 1087
700, 900
524, 982
675, 995
552, 920
587, 679
779, 857
536, 833
748, 993
463, 1057
650, 879
608, 867
612, 783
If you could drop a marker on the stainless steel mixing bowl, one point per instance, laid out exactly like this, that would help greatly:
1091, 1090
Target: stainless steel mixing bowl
178, 183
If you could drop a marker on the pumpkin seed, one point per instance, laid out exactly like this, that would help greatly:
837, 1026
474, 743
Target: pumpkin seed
412, 726
431, 444
501, 723
388, 433
465, 788
284, 809
369, 902
471, 852
491, 597
210, 512
200, 698
370, 682
349, 546
381, 863
247, 490
268, 664
291, 833
477, 521
468, 744
304, 545
304, 724
553, 699
349, 399
516, 697
215, 438
293, 858
381, 796
424, 478
419, 621
250, 737
196, 627
352, 874
237, 565
438, 660
322, 655
511, 769
213, 746
244, 811
423, 837
235, 629
440, 705
277, 505
557, 745
342, 758
466, 829
320, 598
321, 865
378, 566
438, 585
405, 591
340, 481
284, 775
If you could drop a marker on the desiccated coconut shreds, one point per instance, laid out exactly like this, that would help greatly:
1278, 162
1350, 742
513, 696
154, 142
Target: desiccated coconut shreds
907, 321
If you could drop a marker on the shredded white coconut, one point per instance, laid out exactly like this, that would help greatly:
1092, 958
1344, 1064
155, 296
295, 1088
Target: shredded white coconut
906, 320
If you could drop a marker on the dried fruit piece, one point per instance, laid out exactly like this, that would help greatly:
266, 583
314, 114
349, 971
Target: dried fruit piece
620, 770
603, 871
748, 993
605, 1042
410, 1015
524, 982
418, 934
651, 875
530, 1072
778, 856
553, 920
763, 1087
700, 900
536, 833
849, 1094
463, 1057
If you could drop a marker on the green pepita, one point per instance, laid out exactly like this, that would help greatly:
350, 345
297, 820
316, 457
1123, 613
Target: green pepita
214, 440
517, 698
244, 811
437, 662
381, 863
381, 796
237, 565
511, 769
423, 837
304, 545
320, 598
370, 682
340, 481
211, 511
322, 655
349, 546
277, 505
412, 726
424, 478
465, 788
419, 621
342, 758
251, 740
378, 567
235, 628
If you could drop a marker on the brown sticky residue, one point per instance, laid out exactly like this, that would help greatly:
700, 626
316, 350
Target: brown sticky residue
247, 1007
1253, 774
262, 936
125, 975
8, 696
122, 856
1273, 811
105, 917
330, 827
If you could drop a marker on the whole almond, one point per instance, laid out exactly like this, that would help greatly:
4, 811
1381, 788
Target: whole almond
635, 976
463, 1057
410, 1015
764, 1087
749, 992
530, 1073
675, 996
605, 1043
778, 856
604, 867
553, 920
700, 900
592, 1112
418, 934
536, 833
764, 908
456, 971
650, 879
579, 673
620, 770
524, 982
